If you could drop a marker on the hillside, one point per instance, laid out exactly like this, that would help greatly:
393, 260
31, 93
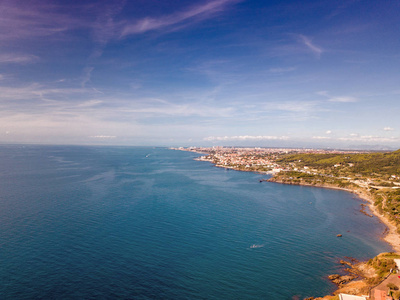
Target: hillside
383, 164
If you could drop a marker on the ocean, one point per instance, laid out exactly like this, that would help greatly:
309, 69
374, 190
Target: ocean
81, 222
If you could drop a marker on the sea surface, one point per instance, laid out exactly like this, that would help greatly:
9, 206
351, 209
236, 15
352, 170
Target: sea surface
153, 223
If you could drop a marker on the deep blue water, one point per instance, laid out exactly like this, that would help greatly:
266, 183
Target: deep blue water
152, 223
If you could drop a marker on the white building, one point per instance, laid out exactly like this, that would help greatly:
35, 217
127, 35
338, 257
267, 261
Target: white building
351, 297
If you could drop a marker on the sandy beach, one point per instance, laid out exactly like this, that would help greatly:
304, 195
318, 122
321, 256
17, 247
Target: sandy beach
391, 236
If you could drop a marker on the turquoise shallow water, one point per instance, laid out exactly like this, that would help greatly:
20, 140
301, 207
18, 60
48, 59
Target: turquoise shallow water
152, 223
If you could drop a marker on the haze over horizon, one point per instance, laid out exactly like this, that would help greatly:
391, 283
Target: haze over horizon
201, 73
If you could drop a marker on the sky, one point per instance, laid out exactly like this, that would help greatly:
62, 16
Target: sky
201, 73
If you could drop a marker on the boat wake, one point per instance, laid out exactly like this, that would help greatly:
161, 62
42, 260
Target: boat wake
256, 246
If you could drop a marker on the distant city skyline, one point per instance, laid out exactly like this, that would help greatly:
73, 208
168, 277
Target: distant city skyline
201, 73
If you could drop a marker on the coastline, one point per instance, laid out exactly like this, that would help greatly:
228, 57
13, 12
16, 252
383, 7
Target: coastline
390, 235
358, 280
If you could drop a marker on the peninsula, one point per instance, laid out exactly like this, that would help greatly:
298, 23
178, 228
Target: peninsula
373, 176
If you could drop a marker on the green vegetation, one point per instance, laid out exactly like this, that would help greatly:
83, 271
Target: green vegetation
384, 164
382, 264
392, 286
396, 294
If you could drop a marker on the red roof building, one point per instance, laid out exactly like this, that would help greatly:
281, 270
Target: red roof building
381, 291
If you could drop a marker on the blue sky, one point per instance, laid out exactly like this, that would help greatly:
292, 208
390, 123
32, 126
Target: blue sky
217, 72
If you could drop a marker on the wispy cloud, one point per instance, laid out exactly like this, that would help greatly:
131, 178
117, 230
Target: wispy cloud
356, 138
19, 93
158, 107
90, 103
370, 138
184, 18
282, 70
311, 46
343, 99
294, 106
36, 98
87, 73
21, 20
105, 28
245, 138
18, 58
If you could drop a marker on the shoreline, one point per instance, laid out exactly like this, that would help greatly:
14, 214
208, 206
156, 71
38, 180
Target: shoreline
390, 235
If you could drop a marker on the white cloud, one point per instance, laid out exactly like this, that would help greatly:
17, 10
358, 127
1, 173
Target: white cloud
103, 136
321, 137
370, 138
245, 138
328, 132
388, 129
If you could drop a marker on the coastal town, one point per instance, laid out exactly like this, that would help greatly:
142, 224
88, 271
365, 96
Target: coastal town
318, 167
373, 176
255, 159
